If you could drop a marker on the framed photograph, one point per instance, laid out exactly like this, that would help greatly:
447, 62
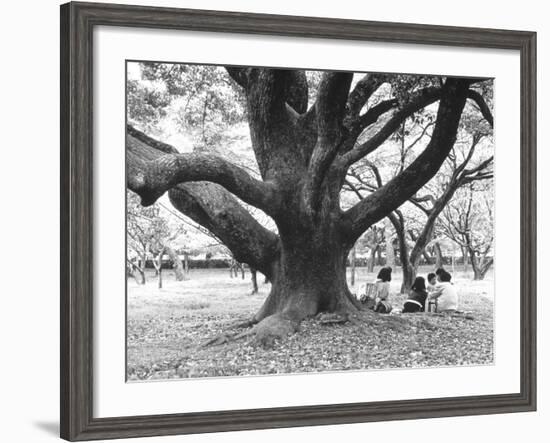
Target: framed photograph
273, 221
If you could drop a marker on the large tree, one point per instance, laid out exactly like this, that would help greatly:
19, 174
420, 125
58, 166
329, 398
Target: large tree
303, 155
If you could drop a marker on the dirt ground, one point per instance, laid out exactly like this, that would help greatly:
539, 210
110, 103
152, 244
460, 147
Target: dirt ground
167, 327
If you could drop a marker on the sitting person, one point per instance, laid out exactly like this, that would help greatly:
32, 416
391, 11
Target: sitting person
445, 294
382, 304
432, 282
417, 297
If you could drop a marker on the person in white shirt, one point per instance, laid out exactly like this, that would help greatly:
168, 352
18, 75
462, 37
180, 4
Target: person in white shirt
445, 294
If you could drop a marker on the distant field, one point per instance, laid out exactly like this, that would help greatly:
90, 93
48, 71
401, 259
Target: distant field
166, 328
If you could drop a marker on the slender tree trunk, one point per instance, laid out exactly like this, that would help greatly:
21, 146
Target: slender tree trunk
186, 265
379, 256
176, 262
353, 256
143, 265
480, 266
465, 259
409, 274
137, 273
438, 255
372, 257
254, 280
390, 253
157, 263
242, 271
427, 257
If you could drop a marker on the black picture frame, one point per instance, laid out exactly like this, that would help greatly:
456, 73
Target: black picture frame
77, 217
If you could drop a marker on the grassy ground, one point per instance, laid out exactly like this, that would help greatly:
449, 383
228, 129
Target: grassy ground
166, 328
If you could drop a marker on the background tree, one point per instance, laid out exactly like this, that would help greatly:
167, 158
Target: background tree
303, 152
467, 162
149, 234
468, 221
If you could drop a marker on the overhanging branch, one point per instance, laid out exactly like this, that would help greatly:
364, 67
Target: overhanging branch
419, 100
398, 190
151, 179
482, 105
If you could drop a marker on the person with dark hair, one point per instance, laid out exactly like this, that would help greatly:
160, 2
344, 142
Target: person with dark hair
439, 271
445, 294
417, 297
382, 304
384, 274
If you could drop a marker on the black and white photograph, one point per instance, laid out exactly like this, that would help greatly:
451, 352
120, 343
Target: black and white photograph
287, 221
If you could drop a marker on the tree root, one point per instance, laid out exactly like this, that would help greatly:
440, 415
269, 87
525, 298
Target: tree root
263, 333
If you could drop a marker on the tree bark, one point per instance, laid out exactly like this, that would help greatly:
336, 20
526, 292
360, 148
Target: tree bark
480, 266
465, 258
390, 253
372, 258
157, 263
438, 255
353, 257
137, 273
186, 265
176, 263
254, 279
308, 280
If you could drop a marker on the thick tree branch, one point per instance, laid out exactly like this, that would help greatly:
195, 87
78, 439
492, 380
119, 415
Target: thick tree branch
418, 101
361, 93
482, 105
272, 124
214, 208
239, 75
151, 179
398, 190
330, 109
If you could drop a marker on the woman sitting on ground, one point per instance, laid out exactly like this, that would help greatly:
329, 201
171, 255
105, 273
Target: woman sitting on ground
417, 297
445, 294
382, 303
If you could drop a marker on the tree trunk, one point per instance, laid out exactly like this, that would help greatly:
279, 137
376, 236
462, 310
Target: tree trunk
242, 271
372, 257
409, 274
353, 257
307, 279
143, 265
137, 273
438, 255
390, 253
465, 259
157, 263
176, 262
254, 279
186, 265
480, 266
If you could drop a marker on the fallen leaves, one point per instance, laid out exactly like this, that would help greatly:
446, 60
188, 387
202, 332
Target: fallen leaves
164, 342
